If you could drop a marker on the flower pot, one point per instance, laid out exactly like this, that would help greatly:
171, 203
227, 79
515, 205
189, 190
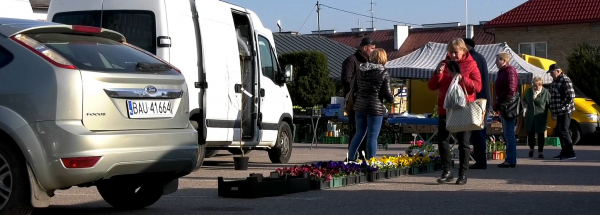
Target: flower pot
319, 184
362, 178
397, 172
350, 180
240, 163
381, 175
344, 181
430, 167
336, 182
414, 170
388, 174
372, 176
423, 168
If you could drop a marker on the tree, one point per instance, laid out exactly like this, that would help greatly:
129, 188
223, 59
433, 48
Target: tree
311, 85
584, 69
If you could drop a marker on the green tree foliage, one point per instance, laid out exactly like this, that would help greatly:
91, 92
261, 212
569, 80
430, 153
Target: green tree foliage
311, 85
584, 69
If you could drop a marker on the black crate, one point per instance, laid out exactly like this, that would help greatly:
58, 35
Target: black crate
297, 184
254, 186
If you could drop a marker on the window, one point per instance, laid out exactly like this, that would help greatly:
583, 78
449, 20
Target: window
535, 49
138, 27
98, 54
5, 57
268, 60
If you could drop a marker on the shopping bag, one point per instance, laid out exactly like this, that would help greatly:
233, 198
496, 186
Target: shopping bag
469, 118
455, 96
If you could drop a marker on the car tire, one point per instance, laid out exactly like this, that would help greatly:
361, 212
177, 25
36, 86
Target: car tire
130, 196
238, 151
209, 153
201, 149
15, 183
282, 152
575, 132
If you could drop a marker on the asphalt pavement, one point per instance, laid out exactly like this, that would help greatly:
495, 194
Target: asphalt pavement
535, 186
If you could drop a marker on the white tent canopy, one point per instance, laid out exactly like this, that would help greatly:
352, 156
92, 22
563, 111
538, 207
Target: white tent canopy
422, 62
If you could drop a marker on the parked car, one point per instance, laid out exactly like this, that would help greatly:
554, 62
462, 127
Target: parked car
239, 95
80, 106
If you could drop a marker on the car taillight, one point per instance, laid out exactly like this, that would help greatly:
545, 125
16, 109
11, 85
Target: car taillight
43, 51
80, 162
152, 55
86, 29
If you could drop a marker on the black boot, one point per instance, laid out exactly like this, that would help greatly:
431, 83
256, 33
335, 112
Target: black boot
462, 179
446, 177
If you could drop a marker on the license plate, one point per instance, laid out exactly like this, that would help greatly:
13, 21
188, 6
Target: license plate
150, 109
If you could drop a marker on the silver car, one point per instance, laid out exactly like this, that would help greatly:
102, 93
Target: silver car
79, 106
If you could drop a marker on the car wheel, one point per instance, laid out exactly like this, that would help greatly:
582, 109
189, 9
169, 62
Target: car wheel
575, 132
129, 196
238, 151
201, 149
282, 151
209, 153
15, 196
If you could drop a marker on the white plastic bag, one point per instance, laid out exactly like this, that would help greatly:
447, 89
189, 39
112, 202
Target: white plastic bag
455, 96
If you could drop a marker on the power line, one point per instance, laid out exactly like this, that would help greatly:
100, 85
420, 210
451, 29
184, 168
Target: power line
369, 16
311, 11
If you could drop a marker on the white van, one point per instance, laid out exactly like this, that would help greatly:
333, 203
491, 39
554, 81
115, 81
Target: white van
239, 89
18, 9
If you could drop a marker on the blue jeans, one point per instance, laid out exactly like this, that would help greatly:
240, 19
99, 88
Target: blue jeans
368, 126
508, 125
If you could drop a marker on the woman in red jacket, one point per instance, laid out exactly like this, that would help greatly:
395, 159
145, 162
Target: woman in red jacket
470, 78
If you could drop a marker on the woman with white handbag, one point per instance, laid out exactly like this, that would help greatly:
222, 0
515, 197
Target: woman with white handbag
508, 103
460, 65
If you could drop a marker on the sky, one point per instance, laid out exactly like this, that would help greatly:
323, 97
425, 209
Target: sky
293, 13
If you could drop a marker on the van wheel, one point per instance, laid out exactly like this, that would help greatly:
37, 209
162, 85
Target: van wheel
201, 149
211, 153
15, 196
129, 196
238, 151
282, 151
575, 132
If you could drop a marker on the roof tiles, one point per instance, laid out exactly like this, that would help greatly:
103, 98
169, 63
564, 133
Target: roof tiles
548, 12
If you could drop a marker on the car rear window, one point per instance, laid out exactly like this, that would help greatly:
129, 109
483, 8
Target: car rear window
94, 53
139, 27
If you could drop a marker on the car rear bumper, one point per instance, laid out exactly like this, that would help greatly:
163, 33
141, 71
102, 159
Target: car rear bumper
588, 127
172, 151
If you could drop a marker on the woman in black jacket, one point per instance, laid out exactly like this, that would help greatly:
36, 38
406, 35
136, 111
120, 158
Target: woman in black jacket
371, 86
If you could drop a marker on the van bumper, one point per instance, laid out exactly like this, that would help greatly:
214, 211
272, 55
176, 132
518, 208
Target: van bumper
588, 127
170, 151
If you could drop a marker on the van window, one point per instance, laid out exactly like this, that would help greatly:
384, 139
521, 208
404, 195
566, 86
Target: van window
5, 57
138, 27
98, 54
268, 60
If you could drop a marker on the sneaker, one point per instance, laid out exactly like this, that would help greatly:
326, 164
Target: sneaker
569, 157
530, 153
558, 157
541, 156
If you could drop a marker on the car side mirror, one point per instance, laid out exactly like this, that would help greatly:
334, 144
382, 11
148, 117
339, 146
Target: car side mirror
289, 73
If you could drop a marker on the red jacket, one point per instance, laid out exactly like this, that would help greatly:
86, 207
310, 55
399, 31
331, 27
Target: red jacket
506, 85
471, 78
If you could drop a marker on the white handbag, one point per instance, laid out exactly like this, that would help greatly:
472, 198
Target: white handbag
469, 118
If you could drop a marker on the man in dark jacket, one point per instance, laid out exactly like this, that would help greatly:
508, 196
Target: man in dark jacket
349, 68
478, 136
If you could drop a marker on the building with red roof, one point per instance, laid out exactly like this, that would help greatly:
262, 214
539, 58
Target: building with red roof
548, 28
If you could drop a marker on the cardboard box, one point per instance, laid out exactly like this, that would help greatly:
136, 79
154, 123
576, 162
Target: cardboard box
423, 129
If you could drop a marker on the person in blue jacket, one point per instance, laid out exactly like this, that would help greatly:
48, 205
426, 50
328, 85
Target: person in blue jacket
478, 136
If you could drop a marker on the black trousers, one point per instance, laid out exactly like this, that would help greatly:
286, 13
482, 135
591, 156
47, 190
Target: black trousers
562, 129
444, 147
363, 145
531, 139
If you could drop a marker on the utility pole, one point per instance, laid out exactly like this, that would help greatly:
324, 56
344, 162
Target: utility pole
319, 18
372, 19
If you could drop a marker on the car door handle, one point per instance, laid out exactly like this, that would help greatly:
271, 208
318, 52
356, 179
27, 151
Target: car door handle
238, 88
262, 92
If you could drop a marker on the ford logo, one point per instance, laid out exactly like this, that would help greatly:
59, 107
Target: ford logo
151, 89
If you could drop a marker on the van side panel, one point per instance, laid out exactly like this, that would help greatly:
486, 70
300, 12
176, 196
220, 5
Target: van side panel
58, 6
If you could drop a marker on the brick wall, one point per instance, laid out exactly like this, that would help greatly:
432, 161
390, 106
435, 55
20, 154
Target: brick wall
560, 39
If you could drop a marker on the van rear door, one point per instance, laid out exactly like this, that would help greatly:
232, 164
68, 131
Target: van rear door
143, 23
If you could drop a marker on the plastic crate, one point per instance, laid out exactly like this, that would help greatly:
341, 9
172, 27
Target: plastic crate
254, 186
552, 141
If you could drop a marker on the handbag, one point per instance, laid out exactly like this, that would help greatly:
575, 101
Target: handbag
512, 107
349, 99
469, 118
